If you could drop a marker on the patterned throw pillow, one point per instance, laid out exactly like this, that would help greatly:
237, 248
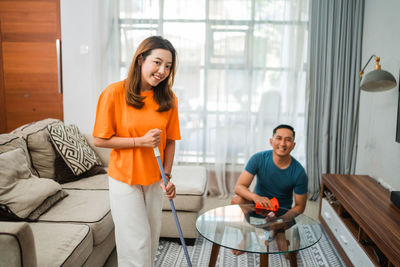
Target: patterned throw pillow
73, 148
65, 175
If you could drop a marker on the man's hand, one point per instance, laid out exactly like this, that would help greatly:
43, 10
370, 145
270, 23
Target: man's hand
169, 191
264, 201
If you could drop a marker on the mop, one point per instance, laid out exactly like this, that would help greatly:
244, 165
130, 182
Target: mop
171, 202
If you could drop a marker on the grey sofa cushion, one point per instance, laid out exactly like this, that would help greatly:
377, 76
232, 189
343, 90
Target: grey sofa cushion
73, 147
190, 183
21, 193
102, 152
190, 180
185, 203
47, 204
62, 244
101, 252
187, 221
12, 141
17, 245
89, 207
39, 145
96, 182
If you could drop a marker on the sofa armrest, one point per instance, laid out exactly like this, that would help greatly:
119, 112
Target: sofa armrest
17, 245
104, 153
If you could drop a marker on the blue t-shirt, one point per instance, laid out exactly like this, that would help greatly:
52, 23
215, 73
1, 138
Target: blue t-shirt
275, 182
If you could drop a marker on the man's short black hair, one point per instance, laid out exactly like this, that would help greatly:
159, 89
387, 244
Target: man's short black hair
285, 126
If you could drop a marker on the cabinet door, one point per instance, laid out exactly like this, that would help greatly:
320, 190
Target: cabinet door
344, 237
30, 34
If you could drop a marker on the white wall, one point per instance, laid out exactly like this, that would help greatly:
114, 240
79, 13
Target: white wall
378, 154
85, 33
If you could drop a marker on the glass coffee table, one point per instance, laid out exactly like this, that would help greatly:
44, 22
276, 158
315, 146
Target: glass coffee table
243, 228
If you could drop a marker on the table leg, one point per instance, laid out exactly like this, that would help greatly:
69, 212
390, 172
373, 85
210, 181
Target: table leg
264, 260
293, 259
214, 255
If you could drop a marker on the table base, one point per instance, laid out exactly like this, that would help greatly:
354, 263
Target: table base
263, 257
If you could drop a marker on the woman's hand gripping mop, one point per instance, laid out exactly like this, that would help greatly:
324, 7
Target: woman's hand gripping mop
171, 202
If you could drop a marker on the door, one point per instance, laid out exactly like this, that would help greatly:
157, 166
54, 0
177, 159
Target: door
30, 72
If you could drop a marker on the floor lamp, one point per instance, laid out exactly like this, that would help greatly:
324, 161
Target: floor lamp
377, 80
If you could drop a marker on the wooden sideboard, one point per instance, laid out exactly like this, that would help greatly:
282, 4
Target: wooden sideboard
356, 212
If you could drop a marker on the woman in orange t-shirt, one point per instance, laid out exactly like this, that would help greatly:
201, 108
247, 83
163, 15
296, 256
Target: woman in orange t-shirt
133, 116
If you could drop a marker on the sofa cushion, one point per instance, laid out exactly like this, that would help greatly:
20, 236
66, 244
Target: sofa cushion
187, 221
189, 180
73, 147
17, 245
96, 182
64, 174
102, 152
59, 244
185, 203
12, 141
89, 207
23, 195
190, 183
102, 252
39, 145
47, 204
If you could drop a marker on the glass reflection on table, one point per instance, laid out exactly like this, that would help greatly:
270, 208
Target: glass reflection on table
243, 228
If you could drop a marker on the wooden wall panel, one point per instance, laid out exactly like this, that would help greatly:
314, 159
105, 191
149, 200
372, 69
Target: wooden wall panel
3, 121
23, 109
30, 21
29, 30
37, 57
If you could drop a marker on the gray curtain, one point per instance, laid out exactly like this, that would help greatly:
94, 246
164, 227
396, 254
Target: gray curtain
333, 88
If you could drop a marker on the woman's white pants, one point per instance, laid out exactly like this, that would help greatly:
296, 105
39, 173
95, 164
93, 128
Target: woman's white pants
136, 212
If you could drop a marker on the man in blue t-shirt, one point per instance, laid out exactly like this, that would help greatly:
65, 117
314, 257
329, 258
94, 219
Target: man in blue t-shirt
278, 175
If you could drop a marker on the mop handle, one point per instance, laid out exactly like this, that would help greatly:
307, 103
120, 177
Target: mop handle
171, 202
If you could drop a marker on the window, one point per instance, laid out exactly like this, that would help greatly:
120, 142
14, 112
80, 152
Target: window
241, 70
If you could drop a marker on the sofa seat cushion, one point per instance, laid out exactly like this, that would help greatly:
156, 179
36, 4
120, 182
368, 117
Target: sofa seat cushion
96, 182
90, 207
185, 203
187, 222
190, 183
101, 252
59, 244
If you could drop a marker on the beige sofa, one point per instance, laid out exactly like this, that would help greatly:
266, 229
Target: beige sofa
77, 229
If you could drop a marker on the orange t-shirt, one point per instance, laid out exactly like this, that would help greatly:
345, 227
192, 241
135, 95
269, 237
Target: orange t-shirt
114, 117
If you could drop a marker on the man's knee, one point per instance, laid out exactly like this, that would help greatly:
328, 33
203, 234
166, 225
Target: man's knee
239, 200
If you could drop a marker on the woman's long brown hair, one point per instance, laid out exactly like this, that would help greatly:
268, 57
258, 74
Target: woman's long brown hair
163, 94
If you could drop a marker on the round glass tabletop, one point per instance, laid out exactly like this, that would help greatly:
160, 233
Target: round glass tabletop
247, 229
